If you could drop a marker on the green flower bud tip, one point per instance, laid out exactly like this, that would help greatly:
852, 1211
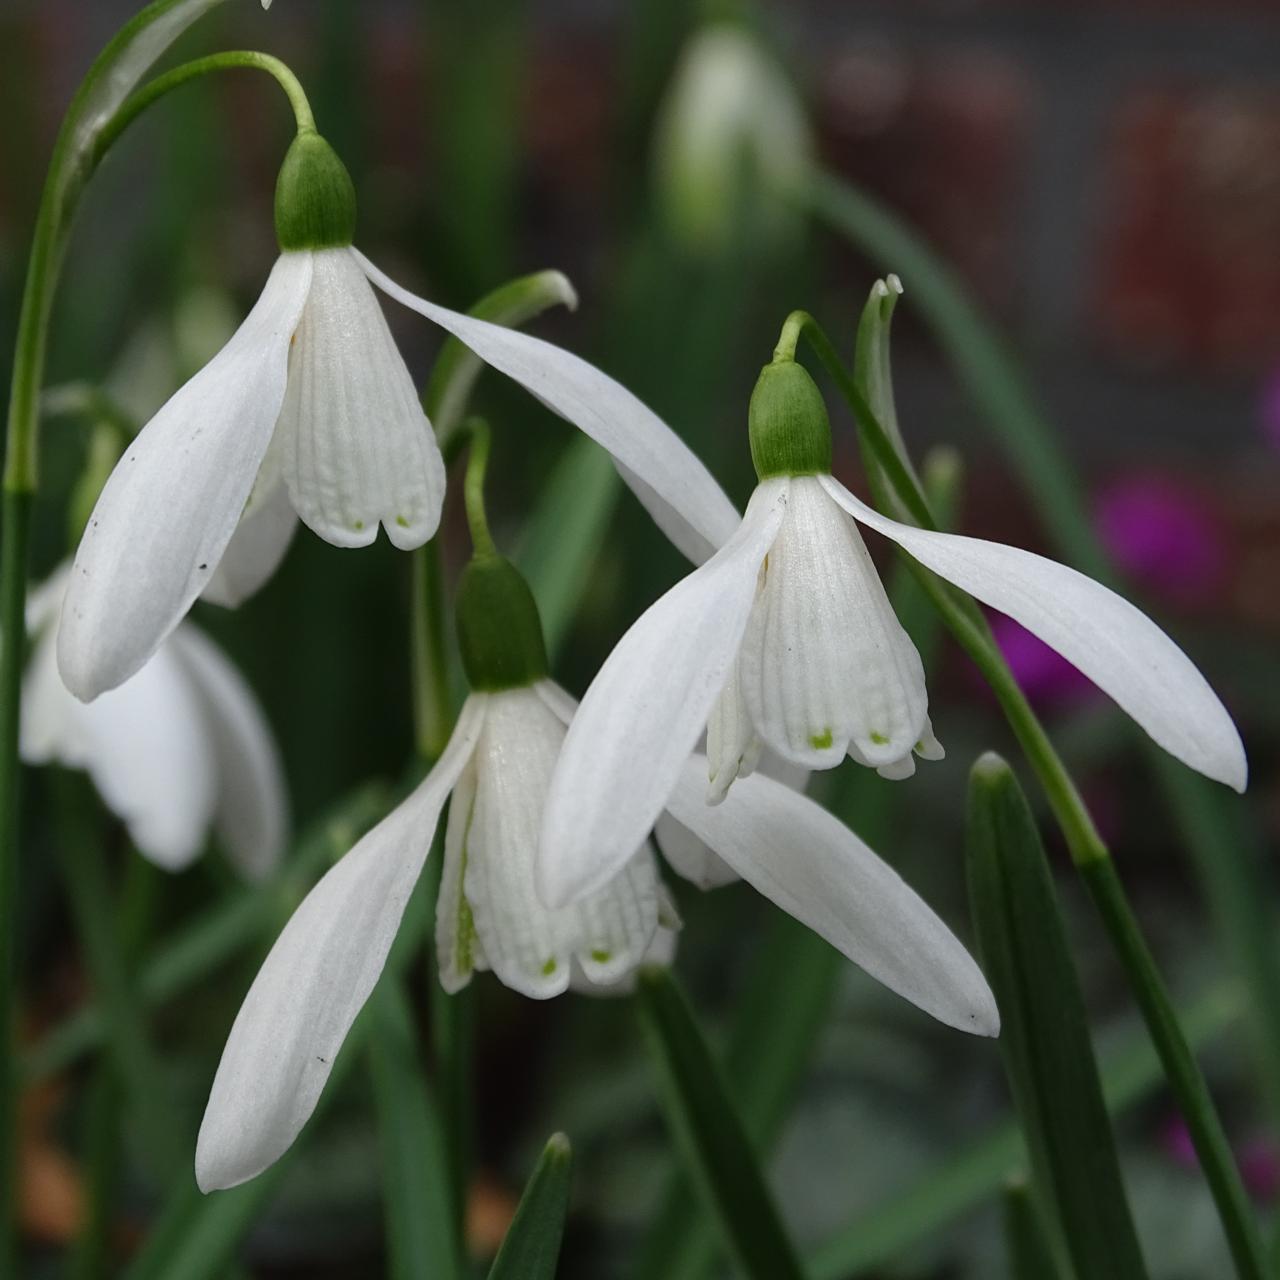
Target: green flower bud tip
499, 630
315, 197
790, 430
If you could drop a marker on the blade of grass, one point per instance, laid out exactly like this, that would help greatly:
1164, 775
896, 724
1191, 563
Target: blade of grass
1030, 1257
531, 1249
711, 1136
422, 1220
1044, 1039
1130, 1074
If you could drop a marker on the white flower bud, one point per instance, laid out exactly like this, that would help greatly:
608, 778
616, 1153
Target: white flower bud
732, 135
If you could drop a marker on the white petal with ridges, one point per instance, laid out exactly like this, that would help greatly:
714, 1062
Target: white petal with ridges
251, 818
316, 979
356, 448
825, 662
813, 867
646, 448
527, 945
172, 504
733, 745
645, 710
1116, 645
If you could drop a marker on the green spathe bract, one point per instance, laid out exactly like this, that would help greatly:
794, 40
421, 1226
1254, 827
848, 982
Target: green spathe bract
499, 630
790, 430
315, 197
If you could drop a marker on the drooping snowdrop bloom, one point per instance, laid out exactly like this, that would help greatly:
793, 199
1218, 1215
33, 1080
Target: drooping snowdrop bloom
785, 638
180, 748
498, 766
310, 412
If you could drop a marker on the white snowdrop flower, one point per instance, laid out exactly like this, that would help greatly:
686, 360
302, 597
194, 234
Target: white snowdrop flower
732, 137
785, 639
180, 748
309, 411
497, 768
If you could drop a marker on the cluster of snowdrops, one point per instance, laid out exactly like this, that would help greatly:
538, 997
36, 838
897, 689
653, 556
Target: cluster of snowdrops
777, 655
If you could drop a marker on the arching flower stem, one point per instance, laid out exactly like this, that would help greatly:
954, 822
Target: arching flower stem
232, 60
95, 120
480, 439
893, 483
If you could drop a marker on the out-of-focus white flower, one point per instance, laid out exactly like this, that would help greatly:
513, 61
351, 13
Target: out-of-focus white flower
732, 138
179, 749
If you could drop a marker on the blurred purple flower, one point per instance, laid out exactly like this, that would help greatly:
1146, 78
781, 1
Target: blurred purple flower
1046, 677
1163, 535
1259, 1159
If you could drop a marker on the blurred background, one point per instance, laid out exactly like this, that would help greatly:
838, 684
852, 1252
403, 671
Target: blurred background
1103, 179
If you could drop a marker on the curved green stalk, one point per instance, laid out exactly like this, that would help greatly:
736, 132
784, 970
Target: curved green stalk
481, 441
1088, 850
232, 60
88, 129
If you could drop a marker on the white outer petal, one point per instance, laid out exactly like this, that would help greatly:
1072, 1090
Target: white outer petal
355, 447
800, 857
693, 858
1116, 645
644, 446
144, 746
252, 817
316, 979
172, 503
255, 551
645, 709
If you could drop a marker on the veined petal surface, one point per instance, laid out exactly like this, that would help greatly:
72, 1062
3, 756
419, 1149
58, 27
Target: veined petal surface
1116, 645
825, 662
144, 746
813, 867
316, 979
172, 504
355, 447
646, 448
529, 946
644, 711
252, 815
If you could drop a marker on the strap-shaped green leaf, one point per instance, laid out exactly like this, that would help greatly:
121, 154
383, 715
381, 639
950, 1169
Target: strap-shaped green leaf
531, 1249
1026, 1242
1045, 1036
711, 1135
417, 1193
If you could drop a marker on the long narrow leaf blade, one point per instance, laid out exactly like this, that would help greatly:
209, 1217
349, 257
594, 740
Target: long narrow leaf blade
421, 1235
1045, 1040
711, 1135
1030, 1253
531, 1249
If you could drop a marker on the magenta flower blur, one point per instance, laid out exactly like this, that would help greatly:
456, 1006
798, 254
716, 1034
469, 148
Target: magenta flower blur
1046, 677
1163, 535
